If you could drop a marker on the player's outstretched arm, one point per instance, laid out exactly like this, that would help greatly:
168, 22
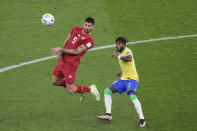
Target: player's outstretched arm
76, 51
123, 58
126, 58
66, 40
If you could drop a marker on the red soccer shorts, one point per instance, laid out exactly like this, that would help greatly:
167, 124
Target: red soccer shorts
65, 70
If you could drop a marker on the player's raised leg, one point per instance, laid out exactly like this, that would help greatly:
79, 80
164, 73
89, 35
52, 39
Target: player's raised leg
92, 89
72, 88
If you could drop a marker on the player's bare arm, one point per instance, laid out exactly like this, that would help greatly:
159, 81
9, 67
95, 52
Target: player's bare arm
76, 51
59, 56
67, 38
123, 58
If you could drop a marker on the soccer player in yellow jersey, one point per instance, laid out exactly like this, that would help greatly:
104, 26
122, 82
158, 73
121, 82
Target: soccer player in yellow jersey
128, 81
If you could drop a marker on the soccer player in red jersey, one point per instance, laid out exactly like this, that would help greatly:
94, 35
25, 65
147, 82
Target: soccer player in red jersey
75, 46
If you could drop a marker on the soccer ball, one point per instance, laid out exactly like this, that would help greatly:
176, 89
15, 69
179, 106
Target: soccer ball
48, 19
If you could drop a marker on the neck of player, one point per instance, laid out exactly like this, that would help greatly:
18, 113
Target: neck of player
120, 51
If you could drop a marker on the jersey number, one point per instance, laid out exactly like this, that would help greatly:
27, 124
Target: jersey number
74, 40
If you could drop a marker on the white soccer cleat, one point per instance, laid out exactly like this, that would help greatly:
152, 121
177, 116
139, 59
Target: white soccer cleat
106, 116
95, 92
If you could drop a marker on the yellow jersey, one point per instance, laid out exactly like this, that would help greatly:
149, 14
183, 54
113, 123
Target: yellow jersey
128, 68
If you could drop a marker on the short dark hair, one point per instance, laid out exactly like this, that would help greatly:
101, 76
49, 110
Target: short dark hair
89, 20
121, 40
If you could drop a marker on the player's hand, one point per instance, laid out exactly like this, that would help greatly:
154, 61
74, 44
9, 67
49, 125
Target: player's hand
59, 56
56, 50
115, 55
119, 74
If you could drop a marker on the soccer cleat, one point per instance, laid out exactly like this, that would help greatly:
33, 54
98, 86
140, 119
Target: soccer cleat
81, 97
95, 92
106, 116
142, 123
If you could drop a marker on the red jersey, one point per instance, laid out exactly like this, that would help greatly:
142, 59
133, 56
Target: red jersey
76, 39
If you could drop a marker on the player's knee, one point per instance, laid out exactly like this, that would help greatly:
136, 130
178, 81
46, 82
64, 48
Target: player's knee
107, 91
133, 97
70, 89
55, 83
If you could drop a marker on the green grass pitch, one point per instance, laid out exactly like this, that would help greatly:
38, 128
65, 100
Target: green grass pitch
167, 69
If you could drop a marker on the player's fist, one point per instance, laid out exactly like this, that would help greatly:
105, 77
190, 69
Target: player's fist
119, 74
115, 55
56, 50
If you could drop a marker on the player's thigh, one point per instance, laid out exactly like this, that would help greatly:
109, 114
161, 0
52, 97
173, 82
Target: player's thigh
57, 74
112, 89
131, 87
69, 74
119, 86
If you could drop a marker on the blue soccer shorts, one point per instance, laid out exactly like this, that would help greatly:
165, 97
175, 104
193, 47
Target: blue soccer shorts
125, 85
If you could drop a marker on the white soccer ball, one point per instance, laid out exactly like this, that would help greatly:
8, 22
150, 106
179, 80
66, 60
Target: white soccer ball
48, 19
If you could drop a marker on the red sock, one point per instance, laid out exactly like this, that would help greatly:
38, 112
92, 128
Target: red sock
63, 83
81, 89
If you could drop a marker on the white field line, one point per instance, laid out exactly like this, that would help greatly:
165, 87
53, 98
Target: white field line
96, 48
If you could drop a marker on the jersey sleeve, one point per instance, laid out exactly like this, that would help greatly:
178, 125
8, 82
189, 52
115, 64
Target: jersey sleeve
89, 44
128, 53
